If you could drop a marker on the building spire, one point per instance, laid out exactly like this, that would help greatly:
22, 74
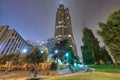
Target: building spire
62, 2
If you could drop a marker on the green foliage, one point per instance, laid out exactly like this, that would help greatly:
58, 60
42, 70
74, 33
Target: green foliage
110, 33
64, 48
44, 57
53, 66
21, 58
15, 59
70, 57
9, 57
90, 49
88, 57
3, 58
87, 76
104, 68
105, 57
34, 56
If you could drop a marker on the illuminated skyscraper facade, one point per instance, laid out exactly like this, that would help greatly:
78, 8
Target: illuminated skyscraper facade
10, 41
63, 27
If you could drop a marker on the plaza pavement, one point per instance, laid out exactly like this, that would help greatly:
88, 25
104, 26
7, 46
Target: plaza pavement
23, 75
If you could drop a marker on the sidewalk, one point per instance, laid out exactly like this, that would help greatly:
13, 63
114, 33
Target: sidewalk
23, 75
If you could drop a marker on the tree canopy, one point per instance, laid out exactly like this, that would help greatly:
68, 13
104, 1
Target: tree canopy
90, 48
35, 57
64, 51
110, 33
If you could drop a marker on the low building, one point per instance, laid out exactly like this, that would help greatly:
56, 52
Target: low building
11, 41
50, 45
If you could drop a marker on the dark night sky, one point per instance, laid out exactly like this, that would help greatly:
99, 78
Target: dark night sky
35, 19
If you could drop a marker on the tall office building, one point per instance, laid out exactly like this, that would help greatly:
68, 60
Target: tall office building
50, 45
63, 27
10, 41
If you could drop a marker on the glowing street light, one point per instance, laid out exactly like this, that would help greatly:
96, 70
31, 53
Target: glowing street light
66, 54
56, 51
24, 50
41, 51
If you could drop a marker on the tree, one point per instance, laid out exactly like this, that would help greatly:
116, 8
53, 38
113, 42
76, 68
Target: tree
22, 58
88, 56
105, 57
64, 48
15, 58
90, 49
44, 56
3, 58
110, 33
34, 56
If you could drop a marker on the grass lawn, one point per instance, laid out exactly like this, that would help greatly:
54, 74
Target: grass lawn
88, 76
113, 70
105, 68
93, 76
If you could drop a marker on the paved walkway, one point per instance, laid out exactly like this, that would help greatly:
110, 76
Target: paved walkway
22, 75
17, 75
69, 73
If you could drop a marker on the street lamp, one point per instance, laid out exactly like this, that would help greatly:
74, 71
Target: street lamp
41, 51
24, 50
66, 54
56, 51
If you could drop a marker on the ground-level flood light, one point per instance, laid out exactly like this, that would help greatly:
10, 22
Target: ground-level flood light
56, 51
42, 51
24, 50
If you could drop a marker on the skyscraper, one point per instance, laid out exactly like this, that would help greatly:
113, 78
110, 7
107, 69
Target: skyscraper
63, 27
10, 41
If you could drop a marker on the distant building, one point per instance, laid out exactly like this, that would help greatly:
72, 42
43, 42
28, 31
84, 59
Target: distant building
63, 27
11, 41
39, 44
50, 45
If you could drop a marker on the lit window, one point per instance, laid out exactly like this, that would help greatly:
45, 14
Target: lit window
58, 26
59, 11
59, 35
70, 45
68, 17
62, 26
65, 26
69, 35
60, 22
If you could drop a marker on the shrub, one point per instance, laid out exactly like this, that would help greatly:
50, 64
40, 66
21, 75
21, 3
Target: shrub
53, 66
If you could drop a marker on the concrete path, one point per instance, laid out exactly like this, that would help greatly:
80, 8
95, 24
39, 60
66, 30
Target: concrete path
26, 74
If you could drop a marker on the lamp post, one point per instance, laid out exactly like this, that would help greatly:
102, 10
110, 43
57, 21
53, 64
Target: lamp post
56, 51
24, 50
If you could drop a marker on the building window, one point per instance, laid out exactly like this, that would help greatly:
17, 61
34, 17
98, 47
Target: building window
69, 35
59, 11
59, 22
59, 35
68, 17
65, 26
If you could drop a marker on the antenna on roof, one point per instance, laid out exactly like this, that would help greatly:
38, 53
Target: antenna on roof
62, 2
